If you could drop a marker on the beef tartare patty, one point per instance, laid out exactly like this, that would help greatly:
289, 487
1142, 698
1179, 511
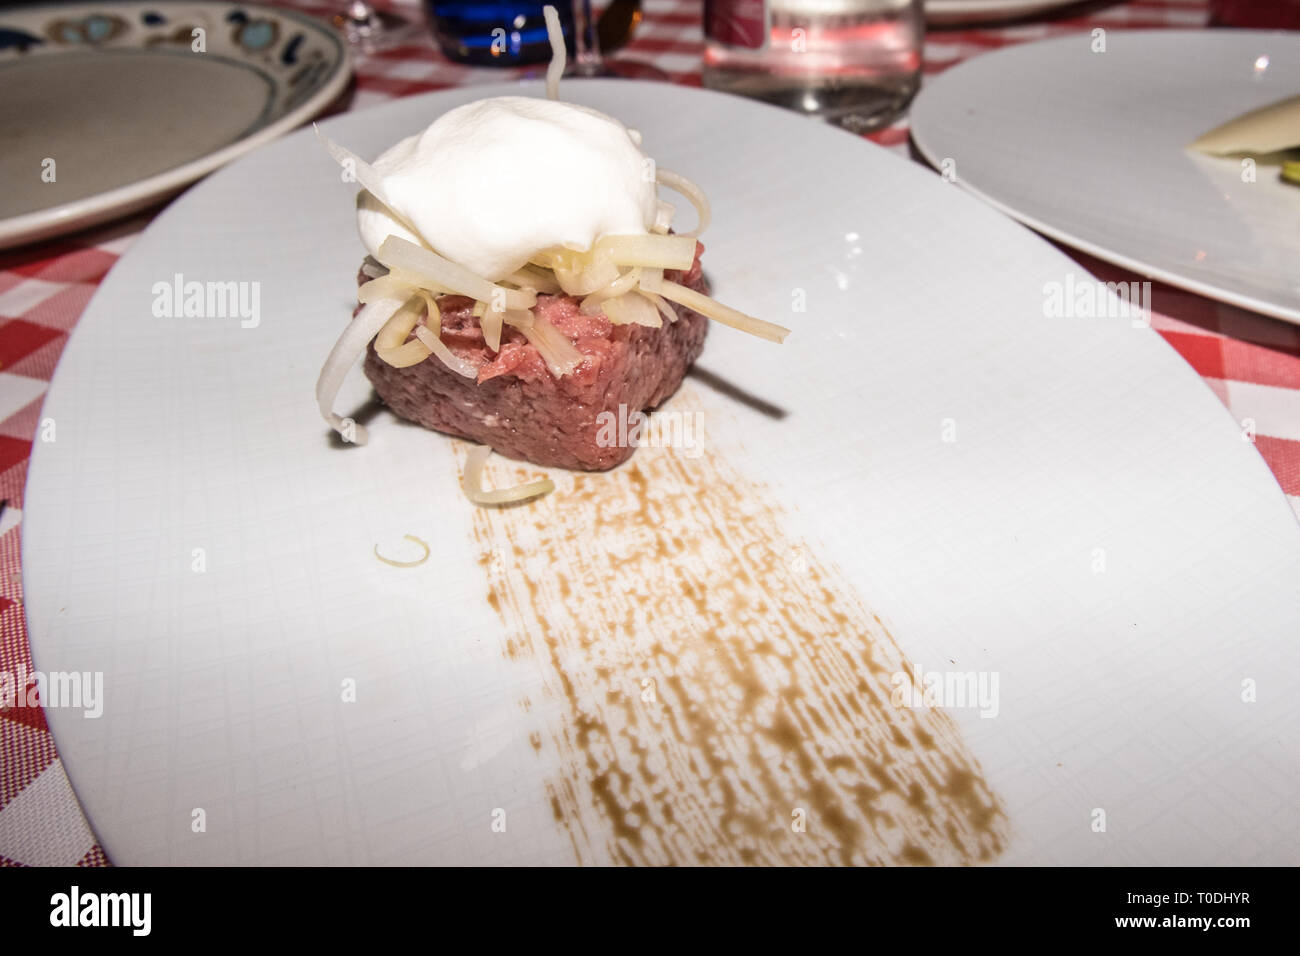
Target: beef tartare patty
516, 406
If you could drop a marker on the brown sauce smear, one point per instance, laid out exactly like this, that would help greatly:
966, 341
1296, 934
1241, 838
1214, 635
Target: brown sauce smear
718, 684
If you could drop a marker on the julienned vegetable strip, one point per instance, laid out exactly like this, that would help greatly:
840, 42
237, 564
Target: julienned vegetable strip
721, 313
472, 482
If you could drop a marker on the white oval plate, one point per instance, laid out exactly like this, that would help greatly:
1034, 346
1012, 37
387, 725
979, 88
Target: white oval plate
107, 107
1120, 688
1089, 148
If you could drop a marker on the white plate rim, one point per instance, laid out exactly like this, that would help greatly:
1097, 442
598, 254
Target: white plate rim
958, 12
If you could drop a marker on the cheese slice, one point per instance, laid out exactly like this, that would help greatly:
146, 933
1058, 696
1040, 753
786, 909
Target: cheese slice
1269, 129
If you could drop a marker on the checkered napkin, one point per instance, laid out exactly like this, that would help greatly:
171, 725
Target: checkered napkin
1251, 363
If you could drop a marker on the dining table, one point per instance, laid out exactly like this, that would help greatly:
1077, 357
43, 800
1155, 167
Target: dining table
1251, 362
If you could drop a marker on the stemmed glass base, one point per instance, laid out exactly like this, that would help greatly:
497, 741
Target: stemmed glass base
619, 69
365, 26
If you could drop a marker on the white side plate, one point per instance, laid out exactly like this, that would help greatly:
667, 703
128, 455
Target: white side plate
1089, 148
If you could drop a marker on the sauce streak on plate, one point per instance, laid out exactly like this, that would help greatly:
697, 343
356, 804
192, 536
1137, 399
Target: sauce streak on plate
725, 697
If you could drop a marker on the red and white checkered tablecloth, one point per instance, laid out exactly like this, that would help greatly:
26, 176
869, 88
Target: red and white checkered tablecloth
1252, 363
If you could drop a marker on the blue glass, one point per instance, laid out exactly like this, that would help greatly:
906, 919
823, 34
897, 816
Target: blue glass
495, 32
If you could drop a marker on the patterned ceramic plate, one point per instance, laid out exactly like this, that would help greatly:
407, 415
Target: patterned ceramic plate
106, 107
